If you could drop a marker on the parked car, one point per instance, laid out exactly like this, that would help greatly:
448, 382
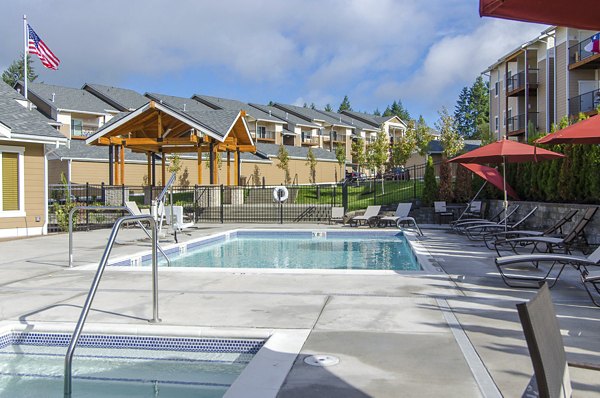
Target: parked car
397, 173
353, 176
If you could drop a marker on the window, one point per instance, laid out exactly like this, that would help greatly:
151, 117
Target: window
261, 132
12, 203
496, 89
504, 118
496, 122
76, 128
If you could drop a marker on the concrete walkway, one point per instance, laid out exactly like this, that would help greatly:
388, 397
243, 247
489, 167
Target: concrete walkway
451, 334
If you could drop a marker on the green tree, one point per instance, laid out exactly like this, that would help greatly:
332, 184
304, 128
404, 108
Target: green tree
462, 116
284, 163
358, 153
345, 105
423, 136
313, 106
15, 72
397, 109
328, 108
404, 146
462, 185
376, 112
452, 141
430, 188
311, 162
380, 153
479, 105
340, 155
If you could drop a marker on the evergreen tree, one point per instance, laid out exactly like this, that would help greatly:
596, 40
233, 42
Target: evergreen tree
271, 103
376, 112
479, 104
429, 185
462, 115
345, 105
15, 72
313, 106
328, 108
462, 185
397, 109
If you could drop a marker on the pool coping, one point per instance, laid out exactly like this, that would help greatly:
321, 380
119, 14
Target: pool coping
132, 262
261, 378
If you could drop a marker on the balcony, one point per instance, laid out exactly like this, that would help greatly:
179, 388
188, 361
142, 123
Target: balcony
516, 125
265, 136
579, 58
515, 85
586, 103
310, 141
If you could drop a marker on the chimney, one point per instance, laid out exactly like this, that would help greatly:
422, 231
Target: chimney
53, 95
269, 112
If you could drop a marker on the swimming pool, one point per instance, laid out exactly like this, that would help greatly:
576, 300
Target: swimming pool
121, 365
288, 249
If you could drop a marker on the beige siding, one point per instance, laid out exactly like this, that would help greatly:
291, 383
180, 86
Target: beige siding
55, 169
561, 79
325, 172
34, 188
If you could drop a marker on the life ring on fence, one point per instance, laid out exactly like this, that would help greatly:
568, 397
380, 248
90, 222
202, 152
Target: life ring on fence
280, 194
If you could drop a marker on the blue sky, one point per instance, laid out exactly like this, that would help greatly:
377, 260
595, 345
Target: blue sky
309, 51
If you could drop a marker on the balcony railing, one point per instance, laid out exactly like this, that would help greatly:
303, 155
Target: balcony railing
585, 102
310, 141
517, 82
517, 124
266, 136
577, 53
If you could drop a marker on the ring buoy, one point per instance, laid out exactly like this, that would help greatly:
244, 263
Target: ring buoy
280, 194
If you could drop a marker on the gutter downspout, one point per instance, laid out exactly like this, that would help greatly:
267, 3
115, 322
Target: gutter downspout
526, 96
568, 77
554, 83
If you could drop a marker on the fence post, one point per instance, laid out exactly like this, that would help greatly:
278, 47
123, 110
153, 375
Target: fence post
334, 197
87, 203
222, 201
123, 194
374, 191
103, 194
345, 197
280, 211
414, 182
195, 203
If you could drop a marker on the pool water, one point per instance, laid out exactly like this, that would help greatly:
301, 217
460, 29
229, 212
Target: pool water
194, 368
347, 251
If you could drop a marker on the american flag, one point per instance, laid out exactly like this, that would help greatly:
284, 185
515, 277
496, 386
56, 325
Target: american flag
37, 46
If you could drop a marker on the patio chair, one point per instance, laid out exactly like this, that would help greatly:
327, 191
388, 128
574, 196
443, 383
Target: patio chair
337, 214
550, 243
534, 263
483, 231
441, 211
460, 226
546, 348
370, 216
499, 238
134, 209
400, 217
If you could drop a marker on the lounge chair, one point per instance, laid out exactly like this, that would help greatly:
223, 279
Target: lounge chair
441, 211
473, 210
460, 226
337, 214
369, 217
485, 231
134, 209
550, 243
400, 217
546, 348
499, 238
529, 263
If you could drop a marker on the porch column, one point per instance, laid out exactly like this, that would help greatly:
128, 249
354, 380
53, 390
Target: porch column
199, 166
163, 168
238, 164
149, 161
153, 169
116, 164
211, 157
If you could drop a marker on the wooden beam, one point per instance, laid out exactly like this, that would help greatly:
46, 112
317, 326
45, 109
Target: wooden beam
236, 175
159, 128
190, 140
163, 169
149, 160
215, 168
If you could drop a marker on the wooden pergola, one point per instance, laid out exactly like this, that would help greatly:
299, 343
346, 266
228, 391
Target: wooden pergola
159, 129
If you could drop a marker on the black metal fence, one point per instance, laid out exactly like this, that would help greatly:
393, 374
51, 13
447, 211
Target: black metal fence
243, 204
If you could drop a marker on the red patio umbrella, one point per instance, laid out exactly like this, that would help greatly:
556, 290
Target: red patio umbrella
585, 132
582, 14
506, 151
492, 176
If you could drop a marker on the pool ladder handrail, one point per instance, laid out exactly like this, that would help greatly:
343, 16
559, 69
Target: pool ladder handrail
105, 208
96, 282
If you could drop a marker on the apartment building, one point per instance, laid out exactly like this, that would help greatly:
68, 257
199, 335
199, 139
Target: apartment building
542, 81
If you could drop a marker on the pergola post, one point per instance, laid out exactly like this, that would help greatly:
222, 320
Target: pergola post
163, 166
116, 164
228, 168
153, 169
149, 161
122, 164
211, 157
110, 165
236, 180
199, 165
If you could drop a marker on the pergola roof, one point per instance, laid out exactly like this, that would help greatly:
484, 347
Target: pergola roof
156, 127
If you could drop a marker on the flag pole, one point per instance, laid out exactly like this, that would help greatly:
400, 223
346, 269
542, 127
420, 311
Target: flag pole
26, 46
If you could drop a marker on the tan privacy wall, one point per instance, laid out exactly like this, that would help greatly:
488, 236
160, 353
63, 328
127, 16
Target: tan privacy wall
137, 174
33, 164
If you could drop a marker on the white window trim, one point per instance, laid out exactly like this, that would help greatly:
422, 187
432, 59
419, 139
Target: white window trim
21, 151
496, 88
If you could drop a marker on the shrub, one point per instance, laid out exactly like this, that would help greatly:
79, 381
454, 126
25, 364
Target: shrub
430, 189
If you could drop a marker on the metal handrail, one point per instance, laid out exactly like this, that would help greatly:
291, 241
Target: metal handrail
105, 208
88, 302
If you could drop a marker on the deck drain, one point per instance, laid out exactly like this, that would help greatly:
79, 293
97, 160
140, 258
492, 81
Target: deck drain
321, 360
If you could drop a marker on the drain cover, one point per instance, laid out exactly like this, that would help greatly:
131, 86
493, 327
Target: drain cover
321, 360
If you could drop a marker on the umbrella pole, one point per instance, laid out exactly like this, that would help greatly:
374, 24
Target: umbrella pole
505, 204
471, 201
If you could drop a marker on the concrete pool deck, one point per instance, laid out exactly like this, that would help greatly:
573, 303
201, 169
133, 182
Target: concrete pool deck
454, 333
